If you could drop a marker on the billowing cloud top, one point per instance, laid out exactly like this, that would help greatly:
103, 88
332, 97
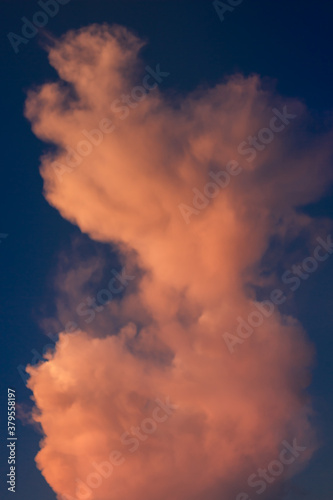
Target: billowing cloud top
197, 186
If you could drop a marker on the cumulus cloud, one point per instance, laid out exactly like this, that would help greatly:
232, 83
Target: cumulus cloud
232, 412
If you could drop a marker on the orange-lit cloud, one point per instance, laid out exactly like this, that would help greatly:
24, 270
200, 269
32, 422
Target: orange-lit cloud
233, 411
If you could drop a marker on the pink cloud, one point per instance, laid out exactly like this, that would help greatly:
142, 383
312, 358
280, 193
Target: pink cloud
233, 413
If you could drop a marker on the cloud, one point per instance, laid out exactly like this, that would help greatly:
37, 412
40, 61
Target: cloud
233, 411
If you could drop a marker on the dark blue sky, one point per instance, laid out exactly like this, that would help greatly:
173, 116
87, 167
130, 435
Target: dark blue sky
290, 42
